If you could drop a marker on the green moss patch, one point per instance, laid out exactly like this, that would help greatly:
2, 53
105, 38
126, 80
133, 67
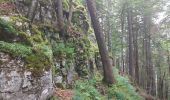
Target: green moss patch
62, 50
15, 49
38, 63
31, 46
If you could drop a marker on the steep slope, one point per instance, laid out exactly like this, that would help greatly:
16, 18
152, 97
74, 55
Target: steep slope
36, 63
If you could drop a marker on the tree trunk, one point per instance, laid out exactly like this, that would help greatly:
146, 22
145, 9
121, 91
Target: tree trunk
168, 59
135, 42
129, 18
70, 12
32, 10
149, 65
107, 66
122, 37
60, 18
109, 30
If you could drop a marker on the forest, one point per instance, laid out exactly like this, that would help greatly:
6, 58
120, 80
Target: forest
84, 50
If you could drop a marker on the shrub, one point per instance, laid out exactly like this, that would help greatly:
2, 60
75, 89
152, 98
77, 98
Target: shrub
122, 89
85, 90
63, 50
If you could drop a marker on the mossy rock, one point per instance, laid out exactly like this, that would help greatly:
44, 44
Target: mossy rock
10, 32
38, 63
33, 48
15, 49
40, 60
7, 31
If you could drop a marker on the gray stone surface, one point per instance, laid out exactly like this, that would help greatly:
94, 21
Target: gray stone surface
17, 83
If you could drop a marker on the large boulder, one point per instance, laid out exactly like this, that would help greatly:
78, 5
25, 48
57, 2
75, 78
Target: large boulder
18, 83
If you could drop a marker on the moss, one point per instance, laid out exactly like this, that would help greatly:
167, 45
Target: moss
34, 49
48, 27
38, 63
38, 58
15, 49
44, 50
65, 5
82, 23
7, 27
19, 19
10, 31
64, 50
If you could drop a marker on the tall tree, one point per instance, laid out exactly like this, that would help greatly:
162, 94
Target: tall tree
122, 18
135, 42
107, 66
109, 31
148, 54
130, 31
60, 18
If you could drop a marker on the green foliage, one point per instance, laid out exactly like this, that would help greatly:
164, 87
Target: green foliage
53, 98
44, 49
122, 89
10, 30
85, 90
65, 5
7, 27
37, 63
34, 48
21, 19
63, 50
40, 60
15, 49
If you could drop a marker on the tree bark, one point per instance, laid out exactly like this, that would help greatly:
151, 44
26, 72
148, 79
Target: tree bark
109, 30
122, 37
32, 10
70, 12
168, 59
129, 18
149, 66
135, 42
60, 18
107, 66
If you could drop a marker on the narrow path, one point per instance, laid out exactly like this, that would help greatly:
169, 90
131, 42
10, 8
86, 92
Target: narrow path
65, 94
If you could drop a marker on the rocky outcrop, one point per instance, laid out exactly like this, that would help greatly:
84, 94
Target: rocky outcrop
18, 83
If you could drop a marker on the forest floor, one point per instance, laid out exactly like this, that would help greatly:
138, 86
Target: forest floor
64, 94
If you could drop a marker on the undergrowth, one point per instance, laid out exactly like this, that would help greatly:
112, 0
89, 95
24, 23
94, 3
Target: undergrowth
122, 89
63, 50
85, 90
